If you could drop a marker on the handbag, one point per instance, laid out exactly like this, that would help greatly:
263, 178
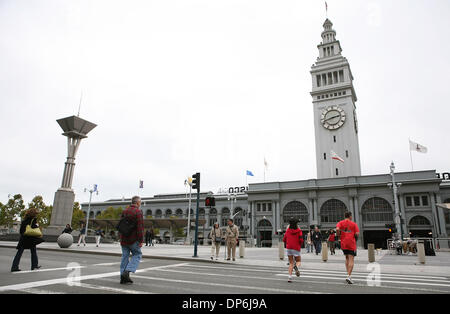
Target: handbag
32, 232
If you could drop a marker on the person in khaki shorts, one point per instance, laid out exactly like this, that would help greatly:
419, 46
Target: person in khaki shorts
231, 236
216, 239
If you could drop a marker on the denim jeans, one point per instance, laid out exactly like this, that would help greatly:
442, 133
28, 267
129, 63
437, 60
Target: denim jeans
318, 246
132, 264
34, 258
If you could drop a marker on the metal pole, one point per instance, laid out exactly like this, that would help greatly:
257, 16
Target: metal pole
196, 224
396, 208
89, 209
189, 215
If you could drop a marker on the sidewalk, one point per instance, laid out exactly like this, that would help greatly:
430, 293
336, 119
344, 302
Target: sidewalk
438, 265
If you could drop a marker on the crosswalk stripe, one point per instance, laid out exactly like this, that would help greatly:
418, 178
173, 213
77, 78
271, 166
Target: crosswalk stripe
222, 285
335, 273
65, 280
112, 289
39, 291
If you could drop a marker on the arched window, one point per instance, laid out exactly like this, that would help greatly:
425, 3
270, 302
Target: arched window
419, 221
179, 213
332, 211
238, 216
168, 213
91, 214
377, 209
212, 216
297, 210
148, 212
447, 212
225, 216
201, 213
264, 224
98, 213
158, 213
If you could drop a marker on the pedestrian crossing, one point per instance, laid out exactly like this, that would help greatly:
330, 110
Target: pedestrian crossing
192, 277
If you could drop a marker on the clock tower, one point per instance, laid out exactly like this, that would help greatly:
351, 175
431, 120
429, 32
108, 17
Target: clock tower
334, 98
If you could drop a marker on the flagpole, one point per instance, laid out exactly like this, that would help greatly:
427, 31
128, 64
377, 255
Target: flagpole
410, 155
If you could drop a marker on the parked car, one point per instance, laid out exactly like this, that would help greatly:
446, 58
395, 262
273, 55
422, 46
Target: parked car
179, 242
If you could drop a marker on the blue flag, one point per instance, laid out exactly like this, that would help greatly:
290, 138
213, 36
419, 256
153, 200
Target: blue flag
249, 173
95, 187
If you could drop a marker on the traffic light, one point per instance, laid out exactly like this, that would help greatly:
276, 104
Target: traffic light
210, 202
196, 181
391, 228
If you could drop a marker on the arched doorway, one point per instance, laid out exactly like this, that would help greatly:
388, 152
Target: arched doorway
297, 210
264, 231
420, 227
376, 213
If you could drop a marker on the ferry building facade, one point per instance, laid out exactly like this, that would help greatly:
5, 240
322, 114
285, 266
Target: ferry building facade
262, 210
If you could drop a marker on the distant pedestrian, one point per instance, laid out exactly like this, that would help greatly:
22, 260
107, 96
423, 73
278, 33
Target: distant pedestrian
98, 236
231, 238
216, 239
67, 229
131, 242
293, 239
348, 231
309, 244
317, 240
332, 241
147, 237
82, 236
28, 241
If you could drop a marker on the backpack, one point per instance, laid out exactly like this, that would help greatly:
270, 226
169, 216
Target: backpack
126, 226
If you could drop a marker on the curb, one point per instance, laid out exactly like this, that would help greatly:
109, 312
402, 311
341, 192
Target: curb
182, 259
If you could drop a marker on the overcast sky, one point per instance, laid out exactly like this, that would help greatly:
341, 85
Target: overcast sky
212, 86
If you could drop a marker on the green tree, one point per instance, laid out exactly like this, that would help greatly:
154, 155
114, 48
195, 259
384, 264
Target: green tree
77, 216
45, 212
10, 212
111, 213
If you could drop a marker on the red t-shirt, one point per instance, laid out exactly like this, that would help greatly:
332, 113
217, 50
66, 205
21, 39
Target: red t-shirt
348, 229
332, 238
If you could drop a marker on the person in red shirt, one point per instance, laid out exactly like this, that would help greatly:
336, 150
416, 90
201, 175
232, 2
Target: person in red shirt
331, 242
348, 231
293, 239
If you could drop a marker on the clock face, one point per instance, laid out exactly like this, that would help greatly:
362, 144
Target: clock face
332, 117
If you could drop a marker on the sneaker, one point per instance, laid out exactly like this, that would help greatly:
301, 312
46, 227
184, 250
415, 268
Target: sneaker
15, 270
228, 259
233, 259
297, 272
212, 258
349, 281
217, 258
125, 277
36, 267
290, 279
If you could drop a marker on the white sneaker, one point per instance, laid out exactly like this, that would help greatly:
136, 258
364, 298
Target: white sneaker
349, 280
290, 279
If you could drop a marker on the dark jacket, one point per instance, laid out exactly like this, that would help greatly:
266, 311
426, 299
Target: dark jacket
27, 242
316, 236
67, 230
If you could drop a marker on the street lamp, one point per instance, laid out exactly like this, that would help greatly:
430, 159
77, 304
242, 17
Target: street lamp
188, 181
394, 186
89, 206
232, 197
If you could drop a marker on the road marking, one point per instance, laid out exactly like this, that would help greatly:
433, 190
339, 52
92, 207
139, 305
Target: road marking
111, 289
77, 279
335, 273
39, 291
48, 269
229, 286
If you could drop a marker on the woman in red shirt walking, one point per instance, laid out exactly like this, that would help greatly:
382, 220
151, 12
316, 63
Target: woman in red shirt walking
293, 239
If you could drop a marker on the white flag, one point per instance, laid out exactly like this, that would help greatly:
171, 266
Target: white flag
417, 147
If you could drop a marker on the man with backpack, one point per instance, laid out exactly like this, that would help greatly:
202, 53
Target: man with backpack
131, 231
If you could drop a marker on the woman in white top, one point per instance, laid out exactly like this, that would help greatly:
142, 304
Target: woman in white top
216, 239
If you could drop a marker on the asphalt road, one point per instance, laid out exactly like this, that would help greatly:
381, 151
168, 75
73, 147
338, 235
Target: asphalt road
75, 273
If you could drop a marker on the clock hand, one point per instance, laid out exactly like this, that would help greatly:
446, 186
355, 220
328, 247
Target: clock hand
332, 118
